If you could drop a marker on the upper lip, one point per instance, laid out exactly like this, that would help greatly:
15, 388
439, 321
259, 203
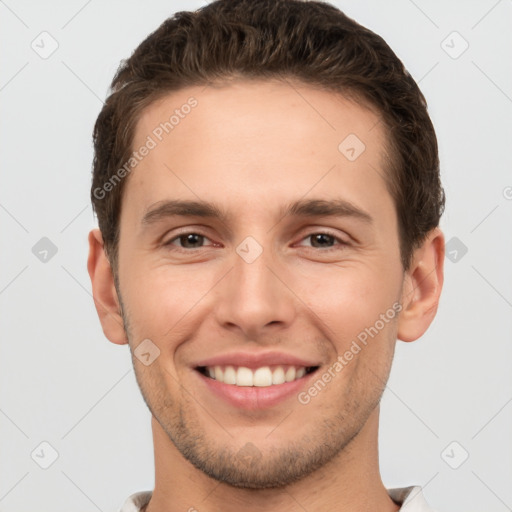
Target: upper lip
256, 360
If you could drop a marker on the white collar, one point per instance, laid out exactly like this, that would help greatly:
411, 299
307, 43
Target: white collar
411, 500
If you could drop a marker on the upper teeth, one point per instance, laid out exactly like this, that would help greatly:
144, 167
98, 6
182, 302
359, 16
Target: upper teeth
261, 377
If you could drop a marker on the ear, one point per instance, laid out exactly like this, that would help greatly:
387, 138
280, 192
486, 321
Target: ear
422, 287
104, 291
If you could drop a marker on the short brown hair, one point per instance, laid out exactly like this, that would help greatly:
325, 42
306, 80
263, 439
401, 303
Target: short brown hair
308, 41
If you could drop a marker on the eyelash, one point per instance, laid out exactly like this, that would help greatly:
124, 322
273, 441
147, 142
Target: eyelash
341, 242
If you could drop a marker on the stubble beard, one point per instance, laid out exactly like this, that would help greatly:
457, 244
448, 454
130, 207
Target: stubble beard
249, 466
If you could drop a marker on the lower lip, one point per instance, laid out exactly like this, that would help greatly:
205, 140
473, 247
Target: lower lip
254, 397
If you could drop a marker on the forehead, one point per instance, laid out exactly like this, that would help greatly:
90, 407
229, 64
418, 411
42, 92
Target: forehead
246, 108
235, 142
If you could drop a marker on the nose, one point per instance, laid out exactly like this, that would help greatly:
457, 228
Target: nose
254, 297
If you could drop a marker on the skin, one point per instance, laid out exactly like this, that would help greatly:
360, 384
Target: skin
251, 148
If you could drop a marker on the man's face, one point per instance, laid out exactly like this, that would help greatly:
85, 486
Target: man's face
299, 288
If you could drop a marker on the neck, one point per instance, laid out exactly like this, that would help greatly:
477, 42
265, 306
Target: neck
350, 482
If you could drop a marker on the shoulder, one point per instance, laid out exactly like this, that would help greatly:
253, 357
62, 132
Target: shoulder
136, 501
410, 498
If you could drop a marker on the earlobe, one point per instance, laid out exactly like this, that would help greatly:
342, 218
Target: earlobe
104, 291
422, 287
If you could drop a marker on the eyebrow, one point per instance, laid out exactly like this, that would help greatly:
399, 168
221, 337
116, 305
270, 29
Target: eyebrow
183, 208
325, 208
300, 208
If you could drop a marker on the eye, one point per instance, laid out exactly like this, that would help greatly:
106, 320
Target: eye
188, 241
193, 240
324, 240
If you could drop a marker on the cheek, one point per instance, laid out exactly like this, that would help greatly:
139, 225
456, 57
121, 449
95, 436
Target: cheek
348, 298
162, 301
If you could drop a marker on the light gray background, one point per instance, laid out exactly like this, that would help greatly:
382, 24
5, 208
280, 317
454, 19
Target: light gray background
62, 382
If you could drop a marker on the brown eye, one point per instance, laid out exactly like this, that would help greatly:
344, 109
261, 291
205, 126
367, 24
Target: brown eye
188, 241
321, 240
324, 240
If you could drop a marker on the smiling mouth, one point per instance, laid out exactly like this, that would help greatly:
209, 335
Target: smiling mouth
264, 376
